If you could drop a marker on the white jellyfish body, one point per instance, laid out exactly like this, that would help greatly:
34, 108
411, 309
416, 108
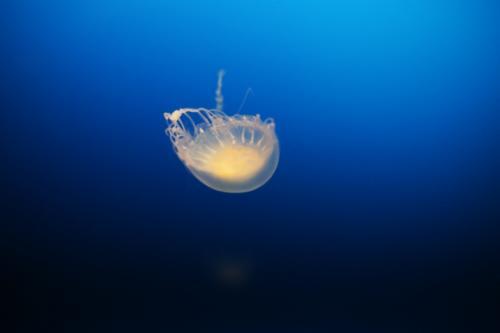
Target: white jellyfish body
226, 153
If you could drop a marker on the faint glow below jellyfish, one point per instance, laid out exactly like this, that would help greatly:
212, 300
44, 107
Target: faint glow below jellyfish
233, 154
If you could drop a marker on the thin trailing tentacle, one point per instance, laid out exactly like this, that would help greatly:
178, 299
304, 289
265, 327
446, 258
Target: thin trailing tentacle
219, 99
249, 90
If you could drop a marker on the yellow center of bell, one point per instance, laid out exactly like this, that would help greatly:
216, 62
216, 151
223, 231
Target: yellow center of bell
236, 163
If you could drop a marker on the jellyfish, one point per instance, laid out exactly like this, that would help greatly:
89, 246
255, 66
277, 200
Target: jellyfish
232, 154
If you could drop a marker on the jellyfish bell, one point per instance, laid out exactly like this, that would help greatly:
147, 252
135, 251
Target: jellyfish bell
233, 154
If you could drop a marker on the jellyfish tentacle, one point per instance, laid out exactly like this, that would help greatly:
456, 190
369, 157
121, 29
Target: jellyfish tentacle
243, 102
269, 122
233, 138
211, 149
195, 128
219, 99
221, 143
243, 135
180, 124
206, 119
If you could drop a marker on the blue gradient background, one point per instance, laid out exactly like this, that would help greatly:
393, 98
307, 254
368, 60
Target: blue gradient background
383, 213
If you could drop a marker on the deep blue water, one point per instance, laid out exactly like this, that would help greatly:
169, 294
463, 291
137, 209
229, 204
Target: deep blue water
382, 215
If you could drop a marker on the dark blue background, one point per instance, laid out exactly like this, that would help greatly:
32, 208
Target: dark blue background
383, 213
